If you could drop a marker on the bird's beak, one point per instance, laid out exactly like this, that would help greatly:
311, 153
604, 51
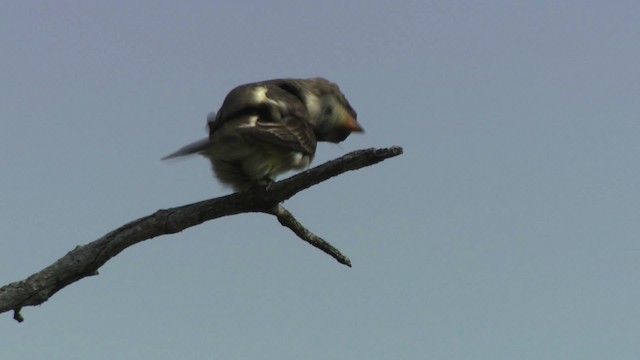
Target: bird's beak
351, 124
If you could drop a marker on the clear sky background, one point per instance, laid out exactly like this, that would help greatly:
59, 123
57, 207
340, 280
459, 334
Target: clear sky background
509, 229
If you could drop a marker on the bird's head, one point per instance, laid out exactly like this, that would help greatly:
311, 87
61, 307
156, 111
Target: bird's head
330, 113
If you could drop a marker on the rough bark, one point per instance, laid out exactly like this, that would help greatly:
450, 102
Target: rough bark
85, 260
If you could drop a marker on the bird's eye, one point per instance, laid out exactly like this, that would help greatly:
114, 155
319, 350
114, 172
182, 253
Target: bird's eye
328, 111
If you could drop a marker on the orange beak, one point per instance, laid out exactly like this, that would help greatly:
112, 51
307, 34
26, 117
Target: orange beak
350, 123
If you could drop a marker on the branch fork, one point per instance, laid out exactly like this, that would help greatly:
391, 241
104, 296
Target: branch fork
85, 260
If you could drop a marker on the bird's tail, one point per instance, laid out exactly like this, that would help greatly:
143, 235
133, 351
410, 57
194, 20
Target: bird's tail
193, 148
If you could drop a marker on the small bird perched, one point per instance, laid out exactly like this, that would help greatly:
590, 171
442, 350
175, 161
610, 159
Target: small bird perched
266, 128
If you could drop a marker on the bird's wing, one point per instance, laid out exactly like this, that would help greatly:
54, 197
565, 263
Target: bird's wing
291, 133
270, 112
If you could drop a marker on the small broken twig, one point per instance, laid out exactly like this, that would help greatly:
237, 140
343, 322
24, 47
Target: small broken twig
286, 219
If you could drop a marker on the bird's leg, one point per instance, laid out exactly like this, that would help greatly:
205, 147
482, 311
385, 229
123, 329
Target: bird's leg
263, 183
267, 182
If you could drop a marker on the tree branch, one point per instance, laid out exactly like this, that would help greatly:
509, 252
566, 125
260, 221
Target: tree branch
286, 219
85, 260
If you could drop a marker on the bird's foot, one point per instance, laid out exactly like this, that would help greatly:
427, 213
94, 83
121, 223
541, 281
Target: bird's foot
267, 182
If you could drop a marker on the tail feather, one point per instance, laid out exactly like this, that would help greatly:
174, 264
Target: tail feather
193, 148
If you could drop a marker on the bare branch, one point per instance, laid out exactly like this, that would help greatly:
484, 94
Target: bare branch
286, 219
85, 260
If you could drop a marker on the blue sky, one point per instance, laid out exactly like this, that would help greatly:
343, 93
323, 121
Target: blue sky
507, 230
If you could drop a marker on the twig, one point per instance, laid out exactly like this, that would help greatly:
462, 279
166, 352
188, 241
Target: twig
286, 219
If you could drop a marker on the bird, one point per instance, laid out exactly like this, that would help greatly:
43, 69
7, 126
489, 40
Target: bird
264, 129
